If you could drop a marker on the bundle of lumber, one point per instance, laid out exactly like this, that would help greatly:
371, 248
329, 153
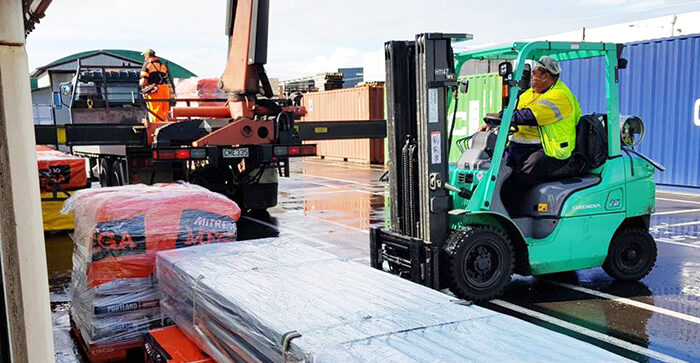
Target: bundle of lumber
275, 299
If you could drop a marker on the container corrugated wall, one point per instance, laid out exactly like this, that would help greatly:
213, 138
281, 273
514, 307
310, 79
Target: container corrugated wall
662, 86
360, 103
483, 96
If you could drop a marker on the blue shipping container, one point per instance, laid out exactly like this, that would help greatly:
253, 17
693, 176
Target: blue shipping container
662, 86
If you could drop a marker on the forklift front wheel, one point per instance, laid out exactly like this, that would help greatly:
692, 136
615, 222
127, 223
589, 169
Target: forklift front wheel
631, 255
482, 259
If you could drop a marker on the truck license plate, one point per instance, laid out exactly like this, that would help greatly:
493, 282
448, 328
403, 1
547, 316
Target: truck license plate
237, 153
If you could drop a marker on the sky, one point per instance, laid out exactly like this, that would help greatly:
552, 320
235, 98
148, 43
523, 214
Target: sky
311, 36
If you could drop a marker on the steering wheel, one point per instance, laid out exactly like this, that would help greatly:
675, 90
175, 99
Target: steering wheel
494, 121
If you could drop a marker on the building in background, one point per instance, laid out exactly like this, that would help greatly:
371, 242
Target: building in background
351, 76
317, 83
114, 63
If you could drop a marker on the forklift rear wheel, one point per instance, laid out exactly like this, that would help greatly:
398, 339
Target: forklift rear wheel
482, 259
631, 255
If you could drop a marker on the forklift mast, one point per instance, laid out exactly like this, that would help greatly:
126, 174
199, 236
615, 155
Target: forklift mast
420, 74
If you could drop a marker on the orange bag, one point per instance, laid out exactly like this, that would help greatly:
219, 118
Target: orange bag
59, 170
171, 345
118, 230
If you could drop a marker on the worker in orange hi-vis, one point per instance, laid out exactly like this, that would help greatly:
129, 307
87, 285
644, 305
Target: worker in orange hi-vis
154, 86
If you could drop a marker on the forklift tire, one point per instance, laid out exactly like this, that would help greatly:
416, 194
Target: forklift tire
481, 263
631, 255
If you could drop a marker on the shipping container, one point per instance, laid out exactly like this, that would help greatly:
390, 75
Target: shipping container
661, 85
360, 103
484, 95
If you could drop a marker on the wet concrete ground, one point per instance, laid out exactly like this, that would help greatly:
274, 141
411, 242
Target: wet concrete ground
332, 205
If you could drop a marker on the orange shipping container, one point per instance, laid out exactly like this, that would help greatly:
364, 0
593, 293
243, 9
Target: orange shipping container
360, 103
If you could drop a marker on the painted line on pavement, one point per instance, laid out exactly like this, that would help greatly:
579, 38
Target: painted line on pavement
305, 189
338, 179
670, 241
587, 332
338, 164
676, 224
679, 200
677, 212
641, 305
696, 195
320, 183
346, 191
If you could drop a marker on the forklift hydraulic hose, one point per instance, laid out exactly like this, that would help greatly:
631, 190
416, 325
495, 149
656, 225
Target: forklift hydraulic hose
455, 96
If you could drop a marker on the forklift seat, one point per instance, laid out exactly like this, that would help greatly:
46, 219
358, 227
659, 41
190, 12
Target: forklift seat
547, 199
478, 156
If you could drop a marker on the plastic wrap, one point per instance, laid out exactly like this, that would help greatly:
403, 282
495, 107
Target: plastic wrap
118, 230
277, 300
59, 170
200, 88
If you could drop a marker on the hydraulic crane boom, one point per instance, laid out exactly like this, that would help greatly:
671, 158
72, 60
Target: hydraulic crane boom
247, 25
255, 120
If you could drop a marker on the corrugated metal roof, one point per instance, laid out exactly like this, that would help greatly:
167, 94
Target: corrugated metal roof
176, 70
660, 85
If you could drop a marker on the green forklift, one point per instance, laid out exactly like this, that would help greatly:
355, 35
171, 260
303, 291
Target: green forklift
450, 228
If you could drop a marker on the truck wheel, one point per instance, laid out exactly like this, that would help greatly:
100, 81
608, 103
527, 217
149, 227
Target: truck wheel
105, 173
118, 174
481, 262
631, 255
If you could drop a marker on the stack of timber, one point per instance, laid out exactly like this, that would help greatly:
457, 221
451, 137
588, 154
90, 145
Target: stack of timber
275, 299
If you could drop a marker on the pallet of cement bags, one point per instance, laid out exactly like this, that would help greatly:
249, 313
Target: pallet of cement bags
274, 300
118, 230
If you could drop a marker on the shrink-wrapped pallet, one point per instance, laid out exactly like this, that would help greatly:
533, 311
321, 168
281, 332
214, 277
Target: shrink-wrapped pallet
275, 300
200, 89
59, 170
118, 230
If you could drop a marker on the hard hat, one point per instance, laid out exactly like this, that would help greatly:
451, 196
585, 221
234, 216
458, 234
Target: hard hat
148, 51
550, 64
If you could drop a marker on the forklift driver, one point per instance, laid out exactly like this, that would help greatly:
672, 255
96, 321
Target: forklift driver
552, 110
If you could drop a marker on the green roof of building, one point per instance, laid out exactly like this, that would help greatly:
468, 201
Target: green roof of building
176, 70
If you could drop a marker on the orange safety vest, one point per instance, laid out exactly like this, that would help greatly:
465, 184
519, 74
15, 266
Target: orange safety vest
154, 71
